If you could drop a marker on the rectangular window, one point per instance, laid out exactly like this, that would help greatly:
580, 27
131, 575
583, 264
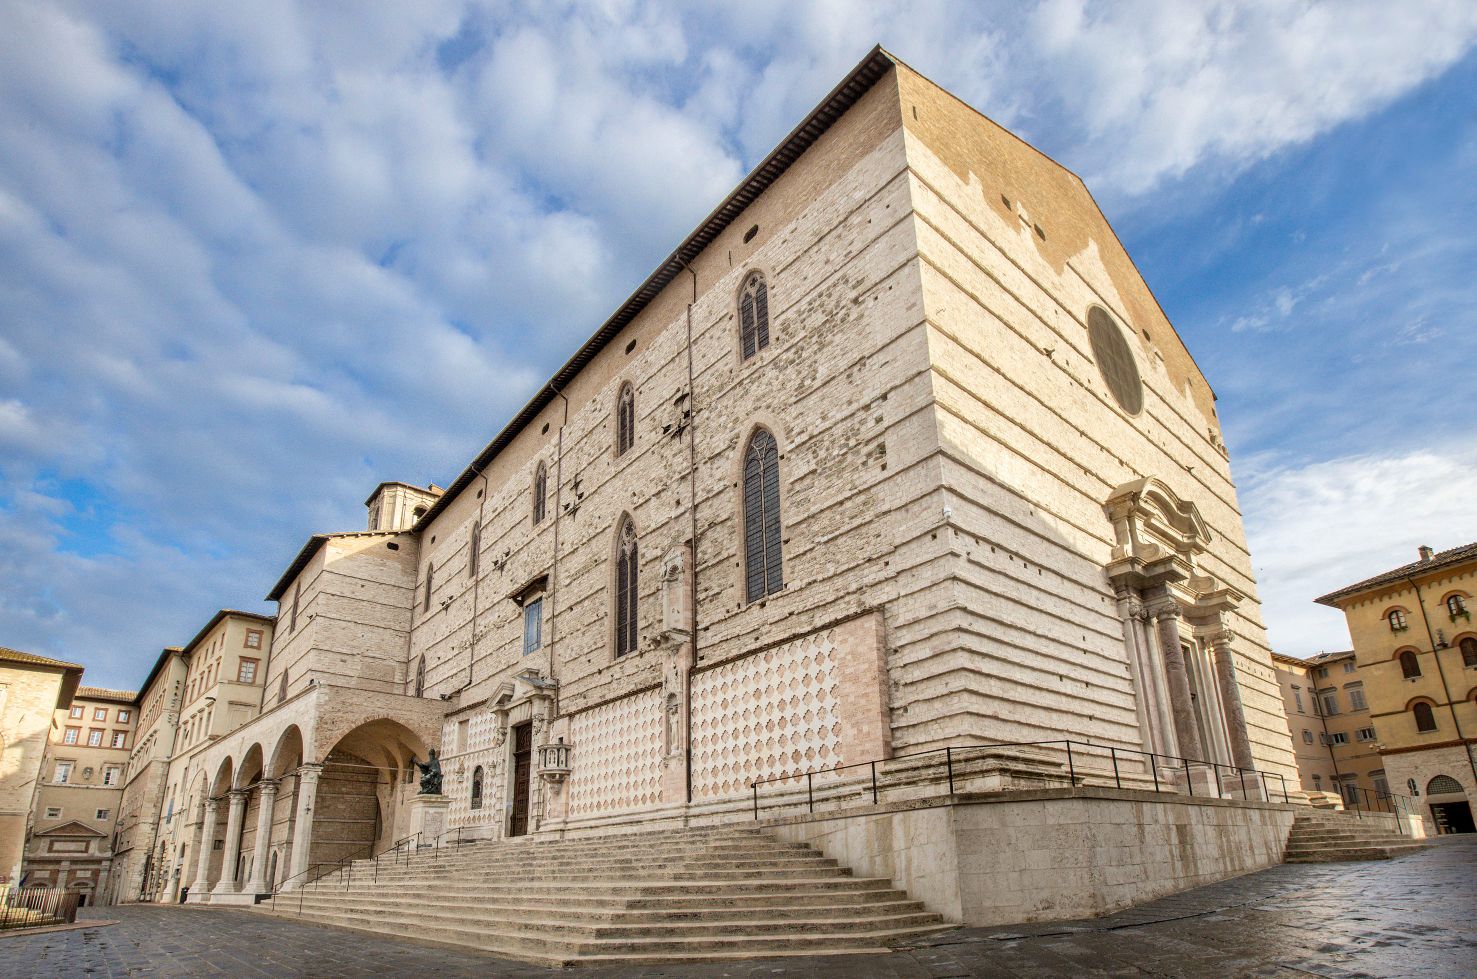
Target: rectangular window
1297, 695
1339, 737
94, 738
1307, 736
246, 673
103, 813
253, 639
1349, 666
1330, 702
533, 626
124, 716
1356, 698
71, 735
1365, 734
63, 772
111, 774
77, 711
1322, 672
99, 713
53, 812
119, 738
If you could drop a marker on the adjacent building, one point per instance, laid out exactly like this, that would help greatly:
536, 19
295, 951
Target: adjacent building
32, 689
1333, 735
76, 809
1416, 650
896, 450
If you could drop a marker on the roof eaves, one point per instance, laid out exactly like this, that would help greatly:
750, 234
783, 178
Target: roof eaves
1445, 559
846, 94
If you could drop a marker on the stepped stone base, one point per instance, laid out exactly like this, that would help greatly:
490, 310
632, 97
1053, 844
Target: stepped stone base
1327, 836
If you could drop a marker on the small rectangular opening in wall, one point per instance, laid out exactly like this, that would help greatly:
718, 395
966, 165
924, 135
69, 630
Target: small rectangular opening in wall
631, 346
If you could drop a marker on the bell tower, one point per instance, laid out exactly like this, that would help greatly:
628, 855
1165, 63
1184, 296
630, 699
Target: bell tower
397, 506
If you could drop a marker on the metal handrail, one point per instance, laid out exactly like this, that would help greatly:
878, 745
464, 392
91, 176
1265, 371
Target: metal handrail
1113, 752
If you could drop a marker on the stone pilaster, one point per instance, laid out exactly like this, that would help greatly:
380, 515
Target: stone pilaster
227, 883
257, 884
200, 886
302, 832
1230, 689
1167, 619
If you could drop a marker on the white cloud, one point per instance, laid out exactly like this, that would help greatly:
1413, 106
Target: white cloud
1318, 526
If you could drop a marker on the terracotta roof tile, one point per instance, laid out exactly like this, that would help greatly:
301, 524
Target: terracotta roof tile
1442, 559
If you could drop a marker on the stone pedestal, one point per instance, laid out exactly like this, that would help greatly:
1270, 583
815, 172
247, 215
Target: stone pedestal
428, 816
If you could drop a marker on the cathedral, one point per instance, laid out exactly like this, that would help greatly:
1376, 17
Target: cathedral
895, 452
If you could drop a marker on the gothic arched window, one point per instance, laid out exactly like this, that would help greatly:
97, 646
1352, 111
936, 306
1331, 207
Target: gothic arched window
763, 566
625, 419
1425, 718
420, 677
477, 787
626, 587
540, 492
754, 315
1410, 667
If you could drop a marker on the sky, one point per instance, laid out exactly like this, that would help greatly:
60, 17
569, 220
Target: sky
256, 258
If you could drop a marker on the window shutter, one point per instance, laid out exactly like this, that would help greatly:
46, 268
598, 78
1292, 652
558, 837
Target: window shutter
746, 322
761, 315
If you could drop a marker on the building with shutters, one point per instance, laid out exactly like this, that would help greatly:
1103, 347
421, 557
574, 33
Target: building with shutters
895, 451
1333, 734
1416, 649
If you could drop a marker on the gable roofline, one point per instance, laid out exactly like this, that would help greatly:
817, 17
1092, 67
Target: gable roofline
306, 554
71, 826
1438, 562
164, 655
857, 83
9, 655
216, 620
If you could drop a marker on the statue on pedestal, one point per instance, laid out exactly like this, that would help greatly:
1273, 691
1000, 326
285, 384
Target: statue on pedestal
430, 774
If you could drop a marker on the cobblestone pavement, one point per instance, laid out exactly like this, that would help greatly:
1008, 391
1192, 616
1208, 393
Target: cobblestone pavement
1412, 916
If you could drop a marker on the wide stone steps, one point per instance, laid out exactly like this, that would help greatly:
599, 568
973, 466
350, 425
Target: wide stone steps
689, 895
1325, 839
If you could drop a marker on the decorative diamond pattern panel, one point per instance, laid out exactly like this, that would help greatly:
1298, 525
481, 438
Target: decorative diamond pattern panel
617, 762
773, 713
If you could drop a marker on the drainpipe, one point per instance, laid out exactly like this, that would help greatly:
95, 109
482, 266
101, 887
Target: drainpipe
1436, 653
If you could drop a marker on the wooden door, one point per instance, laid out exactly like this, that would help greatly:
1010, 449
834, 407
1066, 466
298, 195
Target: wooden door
522, 775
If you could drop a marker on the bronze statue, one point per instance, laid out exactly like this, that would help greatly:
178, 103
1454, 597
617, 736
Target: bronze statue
430, 774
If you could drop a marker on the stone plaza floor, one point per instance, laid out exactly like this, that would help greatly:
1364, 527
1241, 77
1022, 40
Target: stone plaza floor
1412, 916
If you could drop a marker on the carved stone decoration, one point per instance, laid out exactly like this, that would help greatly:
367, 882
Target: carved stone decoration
1187, 733
1230, 689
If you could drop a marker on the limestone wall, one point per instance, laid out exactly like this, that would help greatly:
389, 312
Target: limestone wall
28, 696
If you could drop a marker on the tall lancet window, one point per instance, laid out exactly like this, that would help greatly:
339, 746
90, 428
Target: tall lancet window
626, 587
625, 420
754, 315
763, 567
540, 492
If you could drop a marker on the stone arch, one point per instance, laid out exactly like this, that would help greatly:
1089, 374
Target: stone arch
361, 785
224, 777
1444, 785
287, 756
251, 767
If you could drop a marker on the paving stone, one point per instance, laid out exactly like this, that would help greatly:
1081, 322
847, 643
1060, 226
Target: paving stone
1410, 916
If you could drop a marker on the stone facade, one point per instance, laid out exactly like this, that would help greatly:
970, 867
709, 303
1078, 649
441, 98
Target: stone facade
32, 689
986, 517
81, 787
1416, 649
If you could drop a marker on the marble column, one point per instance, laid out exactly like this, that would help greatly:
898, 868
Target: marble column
227, 883
201, 884
257, 884
1182, 708
302, 829
1230, 689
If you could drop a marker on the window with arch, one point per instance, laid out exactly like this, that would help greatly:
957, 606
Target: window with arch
1468, 646
476, 802
282, 688
763, 563
1442, 785
754, 315
540, 492
420, 677
625, 419
626, 587
1425, 717
1456, 607
1410, 665
1396, 618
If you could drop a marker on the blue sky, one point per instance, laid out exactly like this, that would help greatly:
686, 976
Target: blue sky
256, 258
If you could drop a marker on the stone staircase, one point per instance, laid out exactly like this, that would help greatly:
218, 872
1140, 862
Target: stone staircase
689, 895
1324, 837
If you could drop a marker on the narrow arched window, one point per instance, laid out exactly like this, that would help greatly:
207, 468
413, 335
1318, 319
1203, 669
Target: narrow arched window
282, 688
1468, 647
540, 492
626, 587
1455, 606
1425, 718
474, 550
754, 315
477, 787
420, 677
1397, 620
763, 566
1410, 667
625, 419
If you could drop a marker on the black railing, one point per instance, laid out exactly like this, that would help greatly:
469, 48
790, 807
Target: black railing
1362, 800
404, 848
1078, 763
36, 907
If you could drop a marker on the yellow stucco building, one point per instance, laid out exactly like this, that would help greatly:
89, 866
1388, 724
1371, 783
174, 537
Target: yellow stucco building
31, 688
1416, 648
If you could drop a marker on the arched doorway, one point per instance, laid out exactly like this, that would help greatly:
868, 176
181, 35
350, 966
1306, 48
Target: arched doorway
363, 785
1451, 810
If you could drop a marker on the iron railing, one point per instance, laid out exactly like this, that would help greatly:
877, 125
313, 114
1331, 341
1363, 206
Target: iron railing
404, 847
36, 907
1080, 763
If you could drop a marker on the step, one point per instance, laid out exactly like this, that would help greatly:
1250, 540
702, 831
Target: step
606, 863
616, 912
632, 888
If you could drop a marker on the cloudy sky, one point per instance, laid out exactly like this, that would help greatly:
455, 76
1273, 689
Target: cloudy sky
255, 258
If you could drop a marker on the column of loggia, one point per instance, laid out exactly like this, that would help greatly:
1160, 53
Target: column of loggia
227, 883
302, 830
257, 884
200, 886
